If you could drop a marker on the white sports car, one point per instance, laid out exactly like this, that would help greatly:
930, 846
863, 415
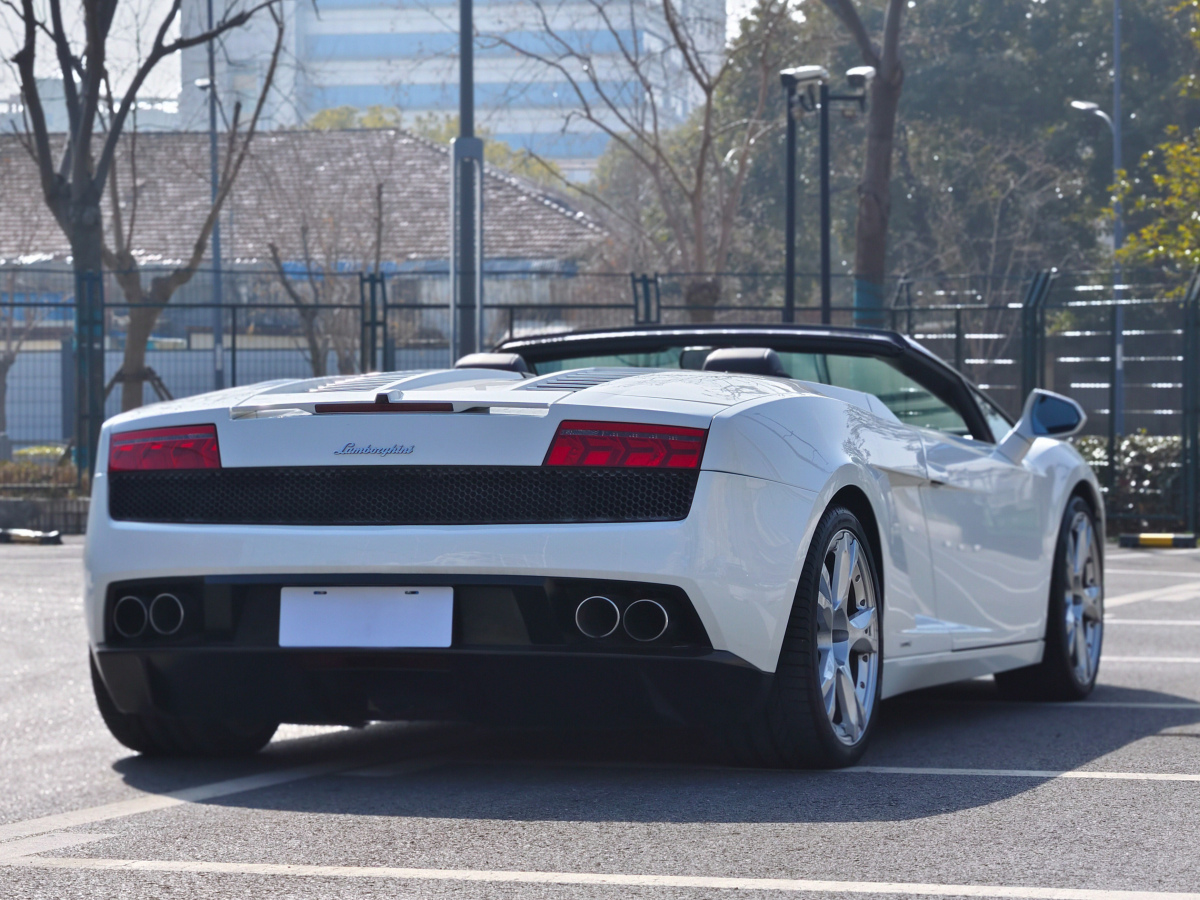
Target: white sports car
762, 531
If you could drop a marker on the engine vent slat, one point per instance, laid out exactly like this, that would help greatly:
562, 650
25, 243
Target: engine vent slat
400, 495
359, 383
578, 381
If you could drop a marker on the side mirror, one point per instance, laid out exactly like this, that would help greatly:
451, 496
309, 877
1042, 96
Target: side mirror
1046, 415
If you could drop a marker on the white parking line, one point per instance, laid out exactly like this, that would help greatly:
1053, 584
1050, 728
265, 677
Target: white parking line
694, 882
1177, 593
1156, 660
152, 802
1148, 571
1186, 623
1057, 704
1085, 774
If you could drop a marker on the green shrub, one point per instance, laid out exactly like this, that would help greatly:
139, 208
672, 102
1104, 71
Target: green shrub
1148, 488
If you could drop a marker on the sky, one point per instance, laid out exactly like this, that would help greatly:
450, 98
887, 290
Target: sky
136, 23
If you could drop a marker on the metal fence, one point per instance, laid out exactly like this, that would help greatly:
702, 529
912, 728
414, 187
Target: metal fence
1056, 330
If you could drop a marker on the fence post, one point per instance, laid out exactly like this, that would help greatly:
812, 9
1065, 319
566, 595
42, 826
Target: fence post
1033, 325
1191, 401
389, 346
363, 342
233, 346
1113, 386
959, 349
633, 284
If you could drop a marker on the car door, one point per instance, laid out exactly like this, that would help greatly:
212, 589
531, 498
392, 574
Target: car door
986, 533
895, 449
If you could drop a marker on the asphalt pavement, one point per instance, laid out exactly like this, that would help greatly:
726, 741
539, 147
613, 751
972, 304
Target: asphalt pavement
960, 795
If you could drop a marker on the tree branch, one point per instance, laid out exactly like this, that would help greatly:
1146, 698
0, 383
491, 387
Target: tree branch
848, 15
158, 52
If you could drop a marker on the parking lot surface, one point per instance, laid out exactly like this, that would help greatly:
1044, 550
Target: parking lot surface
960, 795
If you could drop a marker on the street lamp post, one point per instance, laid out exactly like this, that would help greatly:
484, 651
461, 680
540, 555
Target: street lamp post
795, 80
1117, 388
817, 96
466, 201
214, 183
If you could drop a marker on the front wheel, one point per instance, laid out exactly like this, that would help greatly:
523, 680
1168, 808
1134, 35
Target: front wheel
1075, 619
821, 707
153, 735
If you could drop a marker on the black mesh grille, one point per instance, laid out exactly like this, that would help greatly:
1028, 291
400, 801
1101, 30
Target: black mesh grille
400, 495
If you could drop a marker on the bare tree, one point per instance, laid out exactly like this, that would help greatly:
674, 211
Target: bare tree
73, 183
874, 197
146, 302
696, 174
335, 227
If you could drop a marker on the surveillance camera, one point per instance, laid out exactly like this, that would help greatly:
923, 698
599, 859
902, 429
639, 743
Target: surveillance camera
802, 76
860, 76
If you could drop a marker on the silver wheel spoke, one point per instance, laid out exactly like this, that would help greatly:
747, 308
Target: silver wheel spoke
847, 620
829, 684
853, 715
861, 639
845, 559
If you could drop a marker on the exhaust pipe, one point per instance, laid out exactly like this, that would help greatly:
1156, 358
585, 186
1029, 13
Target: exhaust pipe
166, 614
646, 620
129, 616
597, 617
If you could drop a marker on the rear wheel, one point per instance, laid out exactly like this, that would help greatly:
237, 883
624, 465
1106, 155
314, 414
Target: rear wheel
1075, 620
822, 703
153, 735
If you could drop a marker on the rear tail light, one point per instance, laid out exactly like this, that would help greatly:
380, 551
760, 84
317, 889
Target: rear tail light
182, 447
627, 446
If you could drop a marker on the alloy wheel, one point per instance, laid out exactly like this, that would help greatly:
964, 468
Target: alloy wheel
1084, 602
847, 637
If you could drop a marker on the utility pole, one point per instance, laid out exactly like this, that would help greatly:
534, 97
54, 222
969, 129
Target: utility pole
466, 204
214, 179
826, 221
1118, 386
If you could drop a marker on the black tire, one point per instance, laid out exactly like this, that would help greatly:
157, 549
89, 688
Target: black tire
793, 729
153, 735
1058, 676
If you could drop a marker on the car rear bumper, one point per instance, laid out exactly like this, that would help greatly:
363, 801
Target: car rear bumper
489, 687
737, 556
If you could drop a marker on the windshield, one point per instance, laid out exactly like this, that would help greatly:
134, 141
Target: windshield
911, 403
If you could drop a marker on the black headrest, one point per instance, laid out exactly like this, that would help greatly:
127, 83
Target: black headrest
505, 362
746, 361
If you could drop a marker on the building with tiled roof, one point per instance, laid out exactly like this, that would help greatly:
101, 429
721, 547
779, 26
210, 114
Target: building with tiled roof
336, 192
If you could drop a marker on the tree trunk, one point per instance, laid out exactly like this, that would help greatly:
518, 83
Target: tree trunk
875, 202
700, 296
318, 352
87, 254
133, 366
6, 363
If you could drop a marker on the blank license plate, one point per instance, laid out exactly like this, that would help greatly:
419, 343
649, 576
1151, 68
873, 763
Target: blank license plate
366, 617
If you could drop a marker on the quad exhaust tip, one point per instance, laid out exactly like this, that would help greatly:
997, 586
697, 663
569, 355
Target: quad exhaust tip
130, 617
646, 620
166, 614
597, 617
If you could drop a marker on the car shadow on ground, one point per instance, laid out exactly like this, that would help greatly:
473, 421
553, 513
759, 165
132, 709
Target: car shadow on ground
674, 775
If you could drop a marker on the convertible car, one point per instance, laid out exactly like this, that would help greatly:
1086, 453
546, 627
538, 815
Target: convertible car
758, 531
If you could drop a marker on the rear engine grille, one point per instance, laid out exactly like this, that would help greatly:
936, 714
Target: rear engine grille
400, 495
